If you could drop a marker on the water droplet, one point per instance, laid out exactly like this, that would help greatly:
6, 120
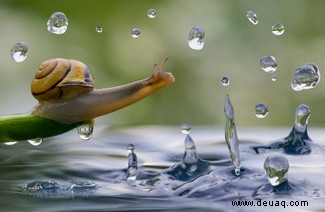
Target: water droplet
276, 168
57, 23
130, 147
195, 38
268, 64
224, 81
305, 77
99, 29
85, 131
186, 128
274, 78
277, 29
135, 33
35, 141
231, 136
302, 115
261, 110
237, 171
151, 13
252, 17
19, 52
10, 143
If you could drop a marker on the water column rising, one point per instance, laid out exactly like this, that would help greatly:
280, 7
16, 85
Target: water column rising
231, 136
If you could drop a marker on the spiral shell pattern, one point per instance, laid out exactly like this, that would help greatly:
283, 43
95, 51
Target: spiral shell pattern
61, 78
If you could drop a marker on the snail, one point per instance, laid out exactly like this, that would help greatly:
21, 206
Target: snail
67, 99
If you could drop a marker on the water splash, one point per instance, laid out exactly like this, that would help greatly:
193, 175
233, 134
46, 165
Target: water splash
190, 155
10, 143
19, 52
189, 168
41, 186
196, 38
305, 77
231, 136
99, 29
274, 78
224, 81
186, 128
57, 23
298, 141
252, 17
261, 110
82, 187
278, 29
86, 131
268, 64
152, 13
132, 170
135, 33
35, 141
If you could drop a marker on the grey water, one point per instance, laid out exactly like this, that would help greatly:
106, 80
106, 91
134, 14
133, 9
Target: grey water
174, 172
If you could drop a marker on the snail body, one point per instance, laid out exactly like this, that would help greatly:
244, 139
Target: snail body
67, 98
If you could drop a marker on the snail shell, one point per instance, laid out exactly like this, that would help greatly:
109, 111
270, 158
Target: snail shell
61, 79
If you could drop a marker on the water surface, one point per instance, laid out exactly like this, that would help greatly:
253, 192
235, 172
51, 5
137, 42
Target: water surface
90, 175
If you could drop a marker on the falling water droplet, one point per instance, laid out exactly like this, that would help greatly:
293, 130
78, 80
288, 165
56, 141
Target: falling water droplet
132, 171
278, 29
57, 23
231, 136
151, 13
19, 52
276, 168
85, 131
261, 110
35, 141
135, 33
274, 78
305, 77
99, 29
195, 38
186, 128
10, 143
252, 17
224, 81
268, 64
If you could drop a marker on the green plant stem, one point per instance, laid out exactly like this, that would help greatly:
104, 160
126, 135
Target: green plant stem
28, 126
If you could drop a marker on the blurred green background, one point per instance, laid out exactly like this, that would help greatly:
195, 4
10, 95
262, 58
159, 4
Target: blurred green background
233, 48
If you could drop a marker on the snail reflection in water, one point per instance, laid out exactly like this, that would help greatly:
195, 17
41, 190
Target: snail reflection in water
67, 99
